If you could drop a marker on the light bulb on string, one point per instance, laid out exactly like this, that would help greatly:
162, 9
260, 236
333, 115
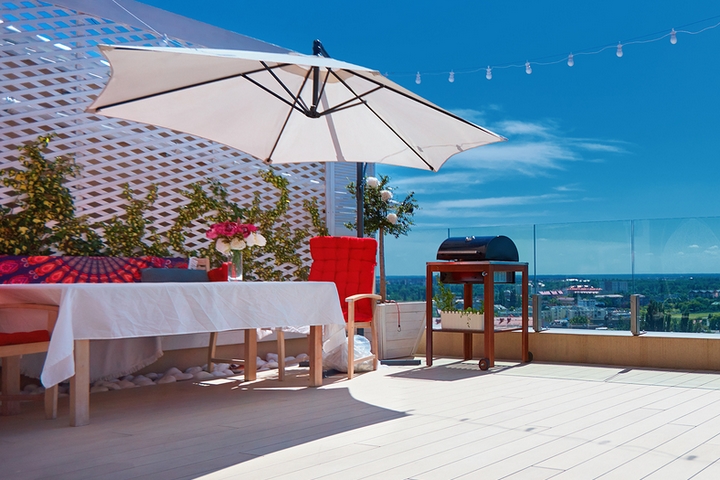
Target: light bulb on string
619, 51
417, 78
451, 77
571, 60
673, 36
488, 73
528, 68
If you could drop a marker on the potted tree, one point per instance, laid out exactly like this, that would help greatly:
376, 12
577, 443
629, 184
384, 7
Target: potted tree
400, 324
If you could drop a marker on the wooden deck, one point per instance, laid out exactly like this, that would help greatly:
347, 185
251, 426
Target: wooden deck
531, 421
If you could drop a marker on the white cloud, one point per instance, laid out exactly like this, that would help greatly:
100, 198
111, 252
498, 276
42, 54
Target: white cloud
693, 246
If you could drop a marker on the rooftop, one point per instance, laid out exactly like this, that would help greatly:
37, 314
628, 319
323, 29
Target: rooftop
531, 421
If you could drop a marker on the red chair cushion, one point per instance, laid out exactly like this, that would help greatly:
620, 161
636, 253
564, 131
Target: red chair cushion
219, 274
19, 338
350, 263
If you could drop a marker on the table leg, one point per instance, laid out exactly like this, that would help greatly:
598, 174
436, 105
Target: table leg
428, 317
250, 372
80, 385
525, 326
467, 337
489, 334
315, 341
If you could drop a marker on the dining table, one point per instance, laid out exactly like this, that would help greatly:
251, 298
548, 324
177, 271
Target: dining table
104, 311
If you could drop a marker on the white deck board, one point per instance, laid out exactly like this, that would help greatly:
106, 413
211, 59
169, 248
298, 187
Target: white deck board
534, 421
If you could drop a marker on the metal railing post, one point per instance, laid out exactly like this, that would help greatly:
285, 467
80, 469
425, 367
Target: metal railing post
536, 305
634, 312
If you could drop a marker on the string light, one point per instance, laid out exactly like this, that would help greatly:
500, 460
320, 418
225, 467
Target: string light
570, 59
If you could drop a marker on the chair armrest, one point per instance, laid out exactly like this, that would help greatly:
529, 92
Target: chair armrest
360, 296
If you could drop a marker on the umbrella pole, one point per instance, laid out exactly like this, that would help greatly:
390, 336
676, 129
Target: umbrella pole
360, 197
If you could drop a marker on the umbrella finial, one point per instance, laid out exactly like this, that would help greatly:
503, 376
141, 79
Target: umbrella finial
319, 50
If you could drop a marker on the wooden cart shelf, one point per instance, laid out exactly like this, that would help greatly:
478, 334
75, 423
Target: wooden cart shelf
487, 270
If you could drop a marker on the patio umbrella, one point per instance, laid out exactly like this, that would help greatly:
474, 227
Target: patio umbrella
284, 108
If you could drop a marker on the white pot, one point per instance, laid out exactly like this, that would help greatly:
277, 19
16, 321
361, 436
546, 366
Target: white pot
457, 320
394, 341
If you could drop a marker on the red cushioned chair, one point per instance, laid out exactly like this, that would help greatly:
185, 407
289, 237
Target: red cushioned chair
12, 347
350, 262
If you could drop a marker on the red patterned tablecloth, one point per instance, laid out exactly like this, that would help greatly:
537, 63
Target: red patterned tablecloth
69, 269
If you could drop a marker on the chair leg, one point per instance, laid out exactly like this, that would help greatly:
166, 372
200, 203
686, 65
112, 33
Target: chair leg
51, 401
10, 384
281, 353
351, 340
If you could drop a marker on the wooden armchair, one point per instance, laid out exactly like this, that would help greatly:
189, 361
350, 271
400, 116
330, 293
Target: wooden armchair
349, 262
12, 347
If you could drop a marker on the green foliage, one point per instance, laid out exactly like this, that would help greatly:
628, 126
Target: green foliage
376, 210
445, 301
42, 217
125, 237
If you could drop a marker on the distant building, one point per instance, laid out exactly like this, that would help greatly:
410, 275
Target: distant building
616, 286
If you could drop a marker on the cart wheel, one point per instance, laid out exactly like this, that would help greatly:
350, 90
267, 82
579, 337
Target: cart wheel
484, 363
530, 357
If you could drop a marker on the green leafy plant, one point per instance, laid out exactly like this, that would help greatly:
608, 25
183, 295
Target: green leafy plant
383, 215
42, 220
445, 301
42, 217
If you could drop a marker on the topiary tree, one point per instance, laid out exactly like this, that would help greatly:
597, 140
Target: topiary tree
384, 215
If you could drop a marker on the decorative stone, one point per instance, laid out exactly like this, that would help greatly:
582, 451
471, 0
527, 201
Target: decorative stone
272, 364
98, 388
291, 361
152, 376
193, 370
203, 375
303, 357
126, 384
271, 357
173, 371
166, 379
183, 376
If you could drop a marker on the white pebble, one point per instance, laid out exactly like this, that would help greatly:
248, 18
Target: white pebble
166, 379
193, 370
143, 382
112, 386
303, 357
98, 388
203, 375
271, 357
183, 376
126, 384
219, 367
260, 362
152, 376
172, 371
219, 373
291, 361
128, 378
272, 364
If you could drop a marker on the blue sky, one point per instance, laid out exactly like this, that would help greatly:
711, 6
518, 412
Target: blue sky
607, 139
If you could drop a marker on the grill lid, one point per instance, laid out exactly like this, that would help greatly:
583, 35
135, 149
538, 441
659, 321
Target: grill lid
473, 249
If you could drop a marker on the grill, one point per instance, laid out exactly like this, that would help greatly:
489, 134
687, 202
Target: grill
476, 249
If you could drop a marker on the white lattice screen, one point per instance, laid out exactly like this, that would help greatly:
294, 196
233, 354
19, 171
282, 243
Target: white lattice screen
50, 71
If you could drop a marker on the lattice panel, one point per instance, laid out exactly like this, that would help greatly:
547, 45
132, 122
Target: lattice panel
51, 70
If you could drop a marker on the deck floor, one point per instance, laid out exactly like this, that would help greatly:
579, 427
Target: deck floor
451, 420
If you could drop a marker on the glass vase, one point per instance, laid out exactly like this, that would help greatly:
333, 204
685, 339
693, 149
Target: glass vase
235, 267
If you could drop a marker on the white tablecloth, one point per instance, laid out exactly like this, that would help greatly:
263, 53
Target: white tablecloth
109, 311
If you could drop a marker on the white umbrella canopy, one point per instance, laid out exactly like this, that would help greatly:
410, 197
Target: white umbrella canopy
283, 108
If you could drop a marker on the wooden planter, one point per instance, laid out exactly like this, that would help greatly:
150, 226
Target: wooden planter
402, 342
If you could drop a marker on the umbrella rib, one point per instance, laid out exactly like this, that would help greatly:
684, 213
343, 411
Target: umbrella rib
287, 90
287, 118
345, 104
395, 132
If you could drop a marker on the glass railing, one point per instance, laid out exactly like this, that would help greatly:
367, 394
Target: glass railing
584, 273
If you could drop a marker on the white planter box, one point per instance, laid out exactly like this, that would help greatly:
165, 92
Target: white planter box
402, 342
462, 321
